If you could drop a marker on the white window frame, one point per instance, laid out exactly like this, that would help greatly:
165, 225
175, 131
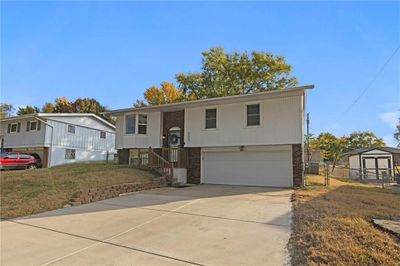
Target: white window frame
71, 126
16, 127
216, 118
141, 124
30, 125
245, 114
103, 133
126, 124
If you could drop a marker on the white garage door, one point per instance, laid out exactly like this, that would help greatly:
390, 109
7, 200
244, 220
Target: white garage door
250, 168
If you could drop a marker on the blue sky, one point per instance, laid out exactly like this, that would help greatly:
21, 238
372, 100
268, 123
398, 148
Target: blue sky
113, 51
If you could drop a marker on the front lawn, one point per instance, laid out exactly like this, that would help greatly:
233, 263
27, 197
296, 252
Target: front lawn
25, 192
332, 224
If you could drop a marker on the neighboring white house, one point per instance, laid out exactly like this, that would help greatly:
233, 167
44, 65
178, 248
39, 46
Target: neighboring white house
59, 138
252, 139
371, 163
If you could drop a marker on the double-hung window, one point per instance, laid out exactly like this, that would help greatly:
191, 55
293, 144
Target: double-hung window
33, 126
13, 128
130, 124
142, 124
211, 118
253, 114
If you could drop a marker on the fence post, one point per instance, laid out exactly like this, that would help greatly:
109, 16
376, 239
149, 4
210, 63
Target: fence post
326, 173
383, 178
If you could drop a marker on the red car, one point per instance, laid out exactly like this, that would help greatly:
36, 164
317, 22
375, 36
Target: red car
19, 160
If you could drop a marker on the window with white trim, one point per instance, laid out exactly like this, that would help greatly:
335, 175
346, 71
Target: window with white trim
33, 125
71, 129
142, 124
70, 154
253, 114
130, 124
14, 128
102, 134
211, 118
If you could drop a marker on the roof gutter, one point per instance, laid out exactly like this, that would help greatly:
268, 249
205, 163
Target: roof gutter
209, 100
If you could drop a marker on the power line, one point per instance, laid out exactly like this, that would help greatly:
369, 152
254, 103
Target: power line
369, 85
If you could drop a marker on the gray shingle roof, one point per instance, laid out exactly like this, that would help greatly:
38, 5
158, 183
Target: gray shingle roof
362, 150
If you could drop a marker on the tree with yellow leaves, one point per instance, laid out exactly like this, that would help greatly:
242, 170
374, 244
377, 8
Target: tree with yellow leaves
166, 93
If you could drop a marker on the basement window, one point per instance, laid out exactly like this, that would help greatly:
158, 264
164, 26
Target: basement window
70, 154
71, 129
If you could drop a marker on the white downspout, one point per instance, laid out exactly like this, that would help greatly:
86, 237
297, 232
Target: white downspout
51, 138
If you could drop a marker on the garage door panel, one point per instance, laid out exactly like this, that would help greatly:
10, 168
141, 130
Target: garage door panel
253, 168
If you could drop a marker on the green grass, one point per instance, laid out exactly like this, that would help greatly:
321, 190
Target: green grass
25, 192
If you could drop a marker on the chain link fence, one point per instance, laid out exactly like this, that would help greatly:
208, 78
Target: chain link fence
384, 176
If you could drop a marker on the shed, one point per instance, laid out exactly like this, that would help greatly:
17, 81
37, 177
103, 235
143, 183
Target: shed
373, 162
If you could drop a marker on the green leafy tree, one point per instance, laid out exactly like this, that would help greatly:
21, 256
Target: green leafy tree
332, 148
167, 93
63, 105
139, 103
28, 110
48, 108
396, 135
224, 74
6, 110
365, 139
88, 105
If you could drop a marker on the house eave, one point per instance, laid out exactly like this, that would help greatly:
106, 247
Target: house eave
214, 101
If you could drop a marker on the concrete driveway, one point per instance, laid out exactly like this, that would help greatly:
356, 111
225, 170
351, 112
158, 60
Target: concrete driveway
199, 225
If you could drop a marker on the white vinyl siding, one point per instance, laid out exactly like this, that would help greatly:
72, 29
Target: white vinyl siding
281, 123
152, 138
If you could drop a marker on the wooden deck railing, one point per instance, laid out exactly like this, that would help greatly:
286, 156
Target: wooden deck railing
177, 156
149, 159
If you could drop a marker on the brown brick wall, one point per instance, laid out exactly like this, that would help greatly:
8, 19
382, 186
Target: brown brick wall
173, 119
297, 157
194, 168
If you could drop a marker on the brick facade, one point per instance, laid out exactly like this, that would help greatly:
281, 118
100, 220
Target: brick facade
170, 120
297, 157
194, 168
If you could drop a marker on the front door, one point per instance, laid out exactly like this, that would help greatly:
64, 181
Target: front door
174, 142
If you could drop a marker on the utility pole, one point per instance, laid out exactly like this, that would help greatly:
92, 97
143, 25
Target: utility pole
308, 137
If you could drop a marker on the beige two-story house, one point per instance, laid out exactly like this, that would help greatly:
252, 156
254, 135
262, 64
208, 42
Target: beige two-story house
252, 139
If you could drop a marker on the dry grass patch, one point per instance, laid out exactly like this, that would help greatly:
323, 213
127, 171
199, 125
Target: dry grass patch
332, 224
27, 192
